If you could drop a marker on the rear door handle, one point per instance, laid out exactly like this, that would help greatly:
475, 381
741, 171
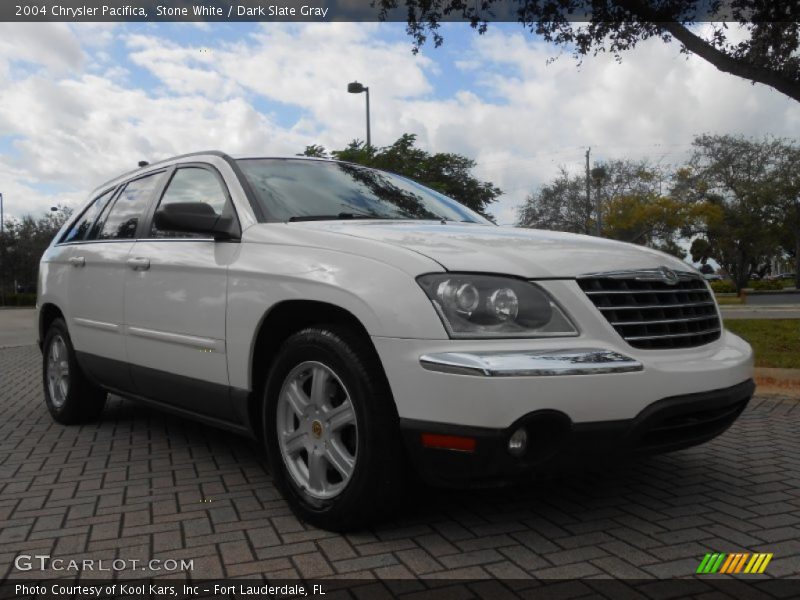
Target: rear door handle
77, 261
139, 263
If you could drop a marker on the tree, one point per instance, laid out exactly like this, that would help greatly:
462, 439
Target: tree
314, 151
650, 220
767, 54
634, 210
23, 244
742, 181
559, 205
790, 207
447, 173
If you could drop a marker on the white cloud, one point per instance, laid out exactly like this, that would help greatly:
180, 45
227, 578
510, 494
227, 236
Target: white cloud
304, 66
79, 117
651, 104
79, 130
20, 197
48, 45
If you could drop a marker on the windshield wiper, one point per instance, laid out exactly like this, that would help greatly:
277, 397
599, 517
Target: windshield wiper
446, 220
341, 215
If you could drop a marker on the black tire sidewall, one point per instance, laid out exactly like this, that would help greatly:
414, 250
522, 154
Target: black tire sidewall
84, 401
68, 410
326, 347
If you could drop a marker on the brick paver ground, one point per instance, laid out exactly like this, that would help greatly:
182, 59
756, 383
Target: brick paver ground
140, 484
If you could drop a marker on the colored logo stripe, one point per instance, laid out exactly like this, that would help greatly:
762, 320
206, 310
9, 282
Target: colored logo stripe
758, 563
726, 566
711, 563
719, 562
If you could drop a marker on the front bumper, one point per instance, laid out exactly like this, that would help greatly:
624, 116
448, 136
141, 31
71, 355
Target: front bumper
555, 440
493, 383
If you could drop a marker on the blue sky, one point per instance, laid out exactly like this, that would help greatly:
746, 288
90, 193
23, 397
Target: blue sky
81, 103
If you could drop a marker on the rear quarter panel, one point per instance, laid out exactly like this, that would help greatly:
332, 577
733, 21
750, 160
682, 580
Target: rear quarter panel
53, 284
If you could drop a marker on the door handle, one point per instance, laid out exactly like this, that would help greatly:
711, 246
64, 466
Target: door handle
139, 263
77, 261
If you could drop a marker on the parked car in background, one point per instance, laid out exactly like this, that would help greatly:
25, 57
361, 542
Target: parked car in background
781, 277
358, 324
22, 288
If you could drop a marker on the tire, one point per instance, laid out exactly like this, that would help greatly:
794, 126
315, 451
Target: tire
315, 433
70, 397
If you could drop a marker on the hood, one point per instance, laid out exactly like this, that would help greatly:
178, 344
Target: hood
532, 253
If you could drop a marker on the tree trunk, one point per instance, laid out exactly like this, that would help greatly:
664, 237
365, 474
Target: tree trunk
742, 274
797, 258
741, 280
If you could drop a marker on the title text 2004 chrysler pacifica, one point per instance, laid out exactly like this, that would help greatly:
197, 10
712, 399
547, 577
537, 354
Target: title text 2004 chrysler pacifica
358, 323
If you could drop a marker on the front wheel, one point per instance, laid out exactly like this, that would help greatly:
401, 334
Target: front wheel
331, 429
68, 395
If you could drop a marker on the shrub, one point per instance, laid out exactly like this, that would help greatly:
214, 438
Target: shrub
767, 284
20, 300
723, 287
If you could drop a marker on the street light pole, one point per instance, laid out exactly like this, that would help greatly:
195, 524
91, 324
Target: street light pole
369, 137
358, 88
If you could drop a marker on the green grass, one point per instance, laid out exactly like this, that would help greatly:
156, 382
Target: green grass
776, 342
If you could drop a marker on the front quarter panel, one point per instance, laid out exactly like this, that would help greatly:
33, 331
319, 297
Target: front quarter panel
385, 299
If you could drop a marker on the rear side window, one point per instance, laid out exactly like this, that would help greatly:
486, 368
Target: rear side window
81, 227
192, 184
123, 217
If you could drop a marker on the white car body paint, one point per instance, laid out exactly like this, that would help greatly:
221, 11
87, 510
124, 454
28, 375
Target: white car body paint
197, 310
178, 302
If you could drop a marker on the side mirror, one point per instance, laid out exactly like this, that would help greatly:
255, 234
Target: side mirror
195, 217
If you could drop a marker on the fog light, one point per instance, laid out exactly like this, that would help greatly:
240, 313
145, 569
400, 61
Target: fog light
518, 442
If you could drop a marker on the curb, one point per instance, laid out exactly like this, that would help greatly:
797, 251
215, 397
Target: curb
778, 381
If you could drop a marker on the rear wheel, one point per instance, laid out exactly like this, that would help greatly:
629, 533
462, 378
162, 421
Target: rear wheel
331, 429
69, 396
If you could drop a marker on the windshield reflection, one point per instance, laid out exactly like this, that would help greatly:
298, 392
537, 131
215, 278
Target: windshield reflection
296, 189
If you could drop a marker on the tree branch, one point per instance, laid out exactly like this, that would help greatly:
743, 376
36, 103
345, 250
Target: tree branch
722, 61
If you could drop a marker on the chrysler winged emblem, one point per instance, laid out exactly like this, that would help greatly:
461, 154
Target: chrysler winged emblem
669, 276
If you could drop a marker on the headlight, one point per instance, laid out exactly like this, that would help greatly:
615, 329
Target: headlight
490, 306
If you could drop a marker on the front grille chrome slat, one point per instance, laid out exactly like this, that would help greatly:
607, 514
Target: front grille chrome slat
655, 306
671, 335
654, 312
662, 321
597, 293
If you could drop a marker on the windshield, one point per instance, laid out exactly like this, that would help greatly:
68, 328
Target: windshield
303, 190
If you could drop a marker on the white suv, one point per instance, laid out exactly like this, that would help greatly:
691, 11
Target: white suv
358, 323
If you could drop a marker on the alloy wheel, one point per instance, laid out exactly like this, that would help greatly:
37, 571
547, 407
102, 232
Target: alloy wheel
317, 430
58, 371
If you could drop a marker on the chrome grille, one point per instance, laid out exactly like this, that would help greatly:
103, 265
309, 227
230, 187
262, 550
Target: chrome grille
650, 312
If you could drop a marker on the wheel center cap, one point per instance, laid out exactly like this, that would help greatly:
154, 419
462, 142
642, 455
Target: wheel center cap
316, 429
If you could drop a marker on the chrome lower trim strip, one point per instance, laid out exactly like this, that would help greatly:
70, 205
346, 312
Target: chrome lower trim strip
204, 344
102, 325
532, 363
